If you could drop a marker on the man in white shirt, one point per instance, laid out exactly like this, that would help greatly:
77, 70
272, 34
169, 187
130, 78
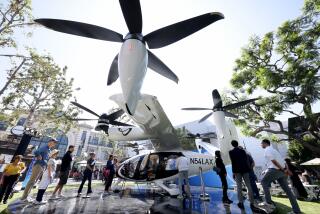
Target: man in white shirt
183, 167
276, 171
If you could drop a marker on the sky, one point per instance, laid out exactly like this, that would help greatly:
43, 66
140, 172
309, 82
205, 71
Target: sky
203, 61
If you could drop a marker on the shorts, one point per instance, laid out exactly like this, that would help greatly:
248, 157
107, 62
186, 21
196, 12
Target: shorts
64, 175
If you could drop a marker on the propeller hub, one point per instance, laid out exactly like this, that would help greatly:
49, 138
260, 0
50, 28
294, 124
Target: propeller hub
137, 36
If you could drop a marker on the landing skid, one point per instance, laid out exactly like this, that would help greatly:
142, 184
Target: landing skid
173, 192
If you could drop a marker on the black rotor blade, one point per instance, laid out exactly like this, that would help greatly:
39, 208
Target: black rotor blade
239, 104
117, 123
217, 101
131, 11
81, 119
196, 108
205, 117
175, 32
113, 71
81, 29
85, 108
229, 114
158, 66
115, 115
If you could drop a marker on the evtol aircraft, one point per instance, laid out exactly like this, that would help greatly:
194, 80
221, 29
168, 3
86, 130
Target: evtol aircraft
133, 59
154, 125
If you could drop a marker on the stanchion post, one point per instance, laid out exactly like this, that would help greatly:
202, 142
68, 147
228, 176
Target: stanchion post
204, 196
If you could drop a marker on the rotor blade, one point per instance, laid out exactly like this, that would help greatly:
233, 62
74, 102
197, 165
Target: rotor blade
239, 104
113, 71
196, 108
205, 117
117, 123
217, 101
81, 29
115, 115
173, 33
81, 119
131, 11
158, 66
85, 109
229, 114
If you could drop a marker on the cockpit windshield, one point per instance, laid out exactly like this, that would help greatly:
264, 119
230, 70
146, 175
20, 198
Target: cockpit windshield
150, 166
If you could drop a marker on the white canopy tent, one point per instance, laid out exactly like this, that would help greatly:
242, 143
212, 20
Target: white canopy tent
313, 162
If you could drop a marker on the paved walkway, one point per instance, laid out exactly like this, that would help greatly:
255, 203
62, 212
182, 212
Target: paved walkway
131, 201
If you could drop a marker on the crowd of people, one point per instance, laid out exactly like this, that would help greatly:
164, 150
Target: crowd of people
277, 169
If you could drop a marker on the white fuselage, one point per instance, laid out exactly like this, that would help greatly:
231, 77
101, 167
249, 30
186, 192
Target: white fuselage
132, 67
226, 132
197, 160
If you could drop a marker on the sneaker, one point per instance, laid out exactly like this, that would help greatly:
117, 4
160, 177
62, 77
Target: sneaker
267, 205
240, 205
61, 196
39, 202
52, 197
255, 208
179, 197
79, 194
27, 200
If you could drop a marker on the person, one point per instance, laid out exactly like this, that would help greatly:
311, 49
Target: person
87, 174
241, 169
2, 166
64, 172
182, 164
252, 176
171, 163
297, 185
110, 166
47, 177
42, 157
306, 178
275, 171
11, 174
222, 172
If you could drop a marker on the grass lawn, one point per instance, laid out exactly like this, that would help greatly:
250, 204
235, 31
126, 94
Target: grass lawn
50, 189
283, 206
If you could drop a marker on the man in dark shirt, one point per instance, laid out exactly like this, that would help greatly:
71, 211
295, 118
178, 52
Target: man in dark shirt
64, 172
241, 169
222, 172
87, 174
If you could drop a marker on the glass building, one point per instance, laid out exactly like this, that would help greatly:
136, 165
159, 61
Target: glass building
60, 136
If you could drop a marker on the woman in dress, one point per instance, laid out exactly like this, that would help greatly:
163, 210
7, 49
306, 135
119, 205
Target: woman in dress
47, 177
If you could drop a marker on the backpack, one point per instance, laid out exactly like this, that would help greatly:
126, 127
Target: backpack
106, 172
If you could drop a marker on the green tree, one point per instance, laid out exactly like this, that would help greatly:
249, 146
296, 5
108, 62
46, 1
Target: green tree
42, 94
14, 15
187, 143
283, 65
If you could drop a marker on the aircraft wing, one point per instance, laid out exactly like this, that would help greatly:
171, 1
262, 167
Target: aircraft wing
153, 121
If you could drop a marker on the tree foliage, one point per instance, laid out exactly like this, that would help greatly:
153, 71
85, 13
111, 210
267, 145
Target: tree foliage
283, 65
186, 142
41, 93
14, 15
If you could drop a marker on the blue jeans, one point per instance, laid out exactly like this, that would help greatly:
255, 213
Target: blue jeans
254, 187
272, 175
183, 177
245, 177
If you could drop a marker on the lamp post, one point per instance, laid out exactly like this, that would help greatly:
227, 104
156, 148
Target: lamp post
27, 134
